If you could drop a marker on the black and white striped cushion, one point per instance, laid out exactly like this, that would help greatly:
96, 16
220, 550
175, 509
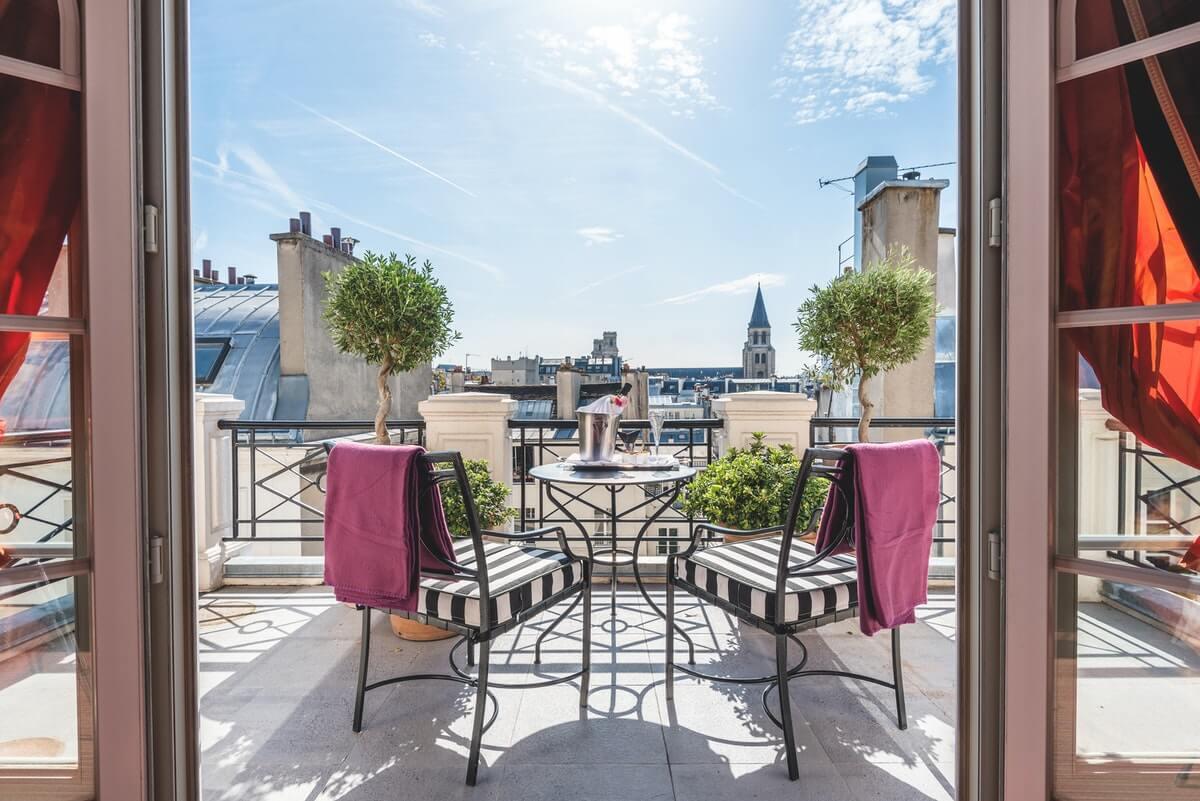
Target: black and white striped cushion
743, 573
518, 579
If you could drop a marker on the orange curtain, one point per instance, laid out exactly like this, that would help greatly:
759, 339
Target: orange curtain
39, 171
1121, 244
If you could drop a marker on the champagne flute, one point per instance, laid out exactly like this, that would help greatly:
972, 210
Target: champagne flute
657, 418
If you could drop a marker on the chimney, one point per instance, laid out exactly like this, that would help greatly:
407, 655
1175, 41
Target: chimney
232, 274
328, 240
306, 223
207, 272
348, 243
336, 233
249, 279
294, 225
196, 273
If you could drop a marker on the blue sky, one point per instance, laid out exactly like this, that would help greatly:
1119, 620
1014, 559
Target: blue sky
569, 166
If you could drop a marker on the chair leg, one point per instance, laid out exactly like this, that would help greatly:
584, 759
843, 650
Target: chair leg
364, 655
470, 652
587, 635
480, 712
785, 705
898, 680
670, 616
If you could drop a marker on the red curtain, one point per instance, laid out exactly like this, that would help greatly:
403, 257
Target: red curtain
39, 170
1126, 190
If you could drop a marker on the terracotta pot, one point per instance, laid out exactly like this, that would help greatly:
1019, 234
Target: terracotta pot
413, 631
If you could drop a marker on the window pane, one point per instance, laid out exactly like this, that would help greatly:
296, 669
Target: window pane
1138, 470
1128, 689
36, 456
1156, 16
45, 681
1129, 184
29, 31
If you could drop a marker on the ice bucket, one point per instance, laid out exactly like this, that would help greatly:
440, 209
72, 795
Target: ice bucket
597, 436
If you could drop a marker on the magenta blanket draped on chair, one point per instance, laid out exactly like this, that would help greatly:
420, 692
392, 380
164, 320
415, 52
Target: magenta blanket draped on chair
377, 505
896, 494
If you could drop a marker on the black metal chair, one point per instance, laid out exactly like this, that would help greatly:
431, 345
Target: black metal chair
782, 585
488, 588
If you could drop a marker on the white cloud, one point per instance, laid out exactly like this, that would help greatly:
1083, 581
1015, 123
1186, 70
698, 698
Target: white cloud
657, 55
607, 279
431, 39
201, 240
862, 57
598, 235
383, 147
422, 7
738, 286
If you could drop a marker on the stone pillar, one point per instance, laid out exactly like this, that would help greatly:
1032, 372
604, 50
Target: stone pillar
639, 395
782, 417
213, 485
1099, 449
567, 382
457, 382
475, 424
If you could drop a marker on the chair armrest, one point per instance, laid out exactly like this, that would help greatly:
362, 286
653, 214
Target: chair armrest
537, 534
757, 532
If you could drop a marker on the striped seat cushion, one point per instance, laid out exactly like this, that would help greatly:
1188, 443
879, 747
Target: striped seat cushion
743, 573
518, 579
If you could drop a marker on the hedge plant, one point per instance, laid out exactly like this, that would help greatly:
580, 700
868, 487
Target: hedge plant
491, 500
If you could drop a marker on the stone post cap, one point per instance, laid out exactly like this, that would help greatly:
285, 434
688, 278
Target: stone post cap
468, 403
766, 402
215, 404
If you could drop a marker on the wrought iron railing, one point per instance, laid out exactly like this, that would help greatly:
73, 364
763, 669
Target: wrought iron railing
1143, 478
824, 431
285, 465
36, 500
537, 442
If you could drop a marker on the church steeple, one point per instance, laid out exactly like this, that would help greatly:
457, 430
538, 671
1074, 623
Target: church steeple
758, 354
758, 317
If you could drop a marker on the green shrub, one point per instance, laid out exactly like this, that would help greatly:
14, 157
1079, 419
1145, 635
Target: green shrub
750, 488
491, 500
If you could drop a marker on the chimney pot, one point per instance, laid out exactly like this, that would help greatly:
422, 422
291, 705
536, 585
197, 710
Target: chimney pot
306, 223
250, 279
207, 271
294, 225
336, 233
328, 239
196, 273
232, 274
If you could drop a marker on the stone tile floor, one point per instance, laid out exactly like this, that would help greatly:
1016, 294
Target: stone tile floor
277, 669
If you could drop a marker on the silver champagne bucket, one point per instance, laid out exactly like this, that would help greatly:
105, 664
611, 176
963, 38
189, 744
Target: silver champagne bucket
597, 436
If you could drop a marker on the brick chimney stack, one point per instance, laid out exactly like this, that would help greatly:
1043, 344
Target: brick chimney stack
232, 274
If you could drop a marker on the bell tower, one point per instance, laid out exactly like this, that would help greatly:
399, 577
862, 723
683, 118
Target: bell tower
758, 354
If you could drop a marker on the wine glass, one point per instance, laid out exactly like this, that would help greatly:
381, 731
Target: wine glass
657, 418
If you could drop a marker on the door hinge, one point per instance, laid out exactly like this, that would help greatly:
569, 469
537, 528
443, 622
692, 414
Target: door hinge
995, 222
150, 228
156, 559
995, 568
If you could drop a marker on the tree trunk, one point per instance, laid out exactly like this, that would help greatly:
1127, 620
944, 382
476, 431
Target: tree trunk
868, 408
385, 402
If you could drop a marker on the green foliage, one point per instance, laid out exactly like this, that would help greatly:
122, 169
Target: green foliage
751, 488
491, 500
389, 311
865, 323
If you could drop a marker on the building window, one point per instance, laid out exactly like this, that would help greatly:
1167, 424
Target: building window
530, 513
668, 540
210, 355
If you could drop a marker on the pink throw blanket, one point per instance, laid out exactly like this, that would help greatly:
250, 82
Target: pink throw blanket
381, 519
896, 492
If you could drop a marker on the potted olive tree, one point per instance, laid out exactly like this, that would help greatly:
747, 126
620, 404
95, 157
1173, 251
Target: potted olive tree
396, 316
392, 313
866, 323
750, 488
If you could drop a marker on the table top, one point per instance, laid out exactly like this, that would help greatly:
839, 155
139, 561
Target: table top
563, 473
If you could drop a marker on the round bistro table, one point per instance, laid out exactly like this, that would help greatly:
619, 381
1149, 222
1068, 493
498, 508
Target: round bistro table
567, 485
